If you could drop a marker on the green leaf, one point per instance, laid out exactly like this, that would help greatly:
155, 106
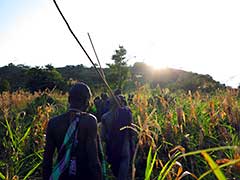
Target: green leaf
25, 135
149, 159
160, 176
232, 162
32, 171
2, 176
152, 164
218, 173
172, 163
10, 133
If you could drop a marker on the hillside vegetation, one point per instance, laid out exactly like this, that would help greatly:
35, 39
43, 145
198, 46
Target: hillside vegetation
14, 77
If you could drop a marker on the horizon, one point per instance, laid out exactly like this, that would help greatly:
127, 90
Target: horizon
201, 37
152, 67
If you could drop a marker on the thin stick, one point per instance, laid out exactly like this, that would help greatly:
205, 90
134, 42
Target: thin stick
96, 55
133, 162
75, 37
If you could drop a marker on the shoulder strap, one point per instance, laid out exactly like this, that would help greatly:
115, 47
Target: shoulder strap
65, 150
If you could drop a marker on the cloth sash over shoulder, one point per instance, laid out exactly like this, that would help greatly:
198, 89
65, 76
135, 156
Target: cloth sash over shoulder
69, 143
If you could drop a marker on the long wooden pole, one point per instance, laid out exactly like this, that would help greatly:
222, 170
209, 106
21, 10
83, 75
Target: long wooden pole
79, 43
90, 39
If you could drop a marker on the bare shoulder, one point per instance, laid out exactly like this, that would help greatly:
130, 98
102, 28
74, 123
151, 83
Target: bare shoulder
107, 115
55, 121
90, 118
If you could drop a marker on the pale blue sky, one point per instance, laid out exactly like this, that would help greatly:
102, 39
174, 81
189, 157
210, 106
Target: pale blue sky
199, 36
10, 10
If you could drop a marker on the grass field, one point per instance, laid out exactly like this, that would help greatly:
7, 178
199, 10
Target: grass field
178, 135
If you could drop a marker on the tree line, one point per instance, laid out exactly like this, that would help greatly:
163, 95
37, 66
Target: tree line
119, 75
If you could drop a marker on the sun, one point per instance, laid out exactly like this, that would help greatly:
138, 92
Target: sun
156, 65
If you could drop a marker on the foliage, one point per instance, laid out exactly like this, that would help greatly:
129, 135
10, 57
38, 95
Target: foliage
15, 75
44, 78
174, 79
4, 85
23, 119
196, 132
194, 121
81, 73
118, 74
163, 119
119, 71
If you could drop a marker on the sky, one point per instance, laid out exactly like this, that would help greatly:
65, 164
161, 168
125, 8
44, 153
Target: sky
198, 36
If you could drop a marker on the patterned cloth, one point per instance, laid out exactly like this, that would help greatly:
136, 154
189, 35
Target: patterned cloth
65, 151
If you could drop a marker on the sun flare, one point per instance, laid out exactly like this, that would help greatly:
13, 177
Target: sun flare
156, 65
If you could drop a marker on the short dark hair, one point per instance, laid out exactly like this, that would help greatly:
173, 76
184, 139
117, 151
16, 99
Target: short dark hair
79, 95
104, 96
117, 92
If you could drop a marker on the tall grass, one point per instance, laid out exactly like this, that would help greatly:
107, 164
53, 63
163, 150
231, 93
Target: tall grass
178, 135
194, 121
23, 119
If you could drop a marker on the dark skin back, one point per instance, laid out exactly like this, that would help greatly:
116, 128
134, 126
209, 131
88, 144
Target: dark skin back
88, 165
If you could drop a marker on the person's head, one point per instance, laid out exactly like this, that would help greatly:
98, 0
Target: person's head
96, 99
104, 96
121, 101
117, 92
79, 96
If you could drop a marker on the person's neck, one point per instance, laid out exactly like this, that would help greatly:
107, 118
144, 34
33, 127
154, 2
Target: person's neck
75, 109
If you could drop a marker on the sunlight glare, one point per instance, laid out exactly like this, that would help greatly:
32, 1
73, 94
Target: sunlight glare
156, 65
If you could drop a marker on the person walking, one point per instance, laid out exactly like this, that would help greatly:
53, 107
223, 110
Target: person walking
119, 142
74, 135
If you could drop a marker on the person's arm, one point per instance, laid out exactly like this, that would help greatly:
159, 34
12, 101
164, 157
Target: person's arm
103, 129
131, 136
92, 152
48, 153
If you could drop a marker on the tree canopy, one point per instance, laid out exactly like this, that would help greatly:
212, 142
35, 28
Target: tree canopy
119, 71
